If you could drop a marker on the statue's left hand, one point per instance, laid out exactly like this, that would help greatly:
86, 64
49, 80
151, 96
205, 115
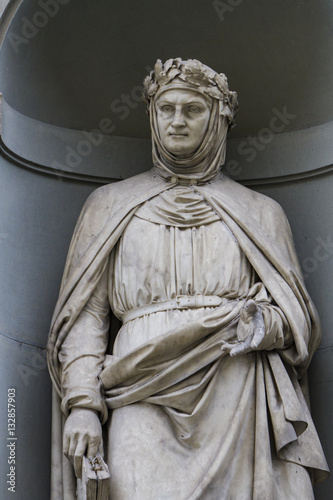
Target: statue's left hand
82, 436
251, 315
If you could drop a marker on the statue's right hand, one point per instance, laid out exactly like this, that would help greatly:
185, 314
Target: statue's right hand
82, 435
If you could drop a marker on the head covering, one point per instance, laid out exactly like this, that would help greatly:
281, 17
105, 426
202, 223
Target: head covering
204, 164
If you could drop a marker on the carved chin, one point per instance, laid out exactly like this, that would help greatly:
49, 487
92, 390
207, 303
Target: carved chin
180, 145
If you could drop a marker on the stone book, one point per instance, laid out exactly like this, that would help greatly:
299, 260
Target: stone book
94, 482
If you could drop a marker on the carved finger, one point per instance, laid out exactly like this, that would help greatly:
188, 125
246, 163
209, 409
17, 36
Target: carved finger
248, 312
101, 448
72, 448
93, 445
65, 444
241, 348
259, 331
77, 459
251, 307
226, 347
259, 336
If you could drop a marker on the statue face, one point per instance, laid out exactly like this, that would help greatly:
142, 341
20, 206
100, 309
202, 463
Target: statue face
182, 120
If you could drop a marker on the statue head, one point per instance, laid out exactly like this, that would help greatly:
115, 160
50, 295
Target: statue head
191, 74
191, 109
182, 119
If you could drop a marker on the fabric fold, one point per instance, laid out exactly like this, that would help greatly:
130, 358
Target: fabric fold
169, 359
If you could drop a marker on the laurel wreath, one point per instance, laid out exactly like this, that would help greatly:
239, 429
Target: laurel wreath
195, 73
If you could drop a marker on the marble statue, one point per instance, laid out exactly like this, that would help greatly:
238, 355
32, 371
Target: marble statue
202, 392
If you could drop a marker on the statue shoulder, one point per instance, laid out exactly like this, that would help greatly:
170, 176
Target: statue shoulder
262, 207
109, 196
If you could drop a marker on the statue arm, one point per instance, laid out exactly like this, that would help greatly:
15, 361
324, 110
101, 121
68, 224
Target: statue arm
81, 356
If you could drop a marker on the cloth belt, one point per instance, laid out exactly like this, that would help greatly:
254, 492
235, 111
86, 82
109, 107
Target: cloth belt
179, 302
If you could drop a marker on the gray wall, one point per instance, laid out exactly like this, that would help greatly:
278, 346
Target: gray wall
38, 213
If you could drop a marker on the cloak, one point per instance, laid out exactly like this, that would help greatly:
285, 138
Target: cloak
262, 231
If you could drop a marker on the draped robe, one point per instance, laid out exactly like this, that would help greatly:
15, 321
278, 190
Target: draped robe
178, 381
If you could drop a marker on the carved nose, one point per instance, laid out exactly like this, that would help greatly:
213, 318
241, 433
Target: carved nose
178, 120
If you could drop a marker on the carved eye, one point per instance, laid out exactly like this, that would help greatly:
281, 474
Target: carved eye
167, 108
194, 109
